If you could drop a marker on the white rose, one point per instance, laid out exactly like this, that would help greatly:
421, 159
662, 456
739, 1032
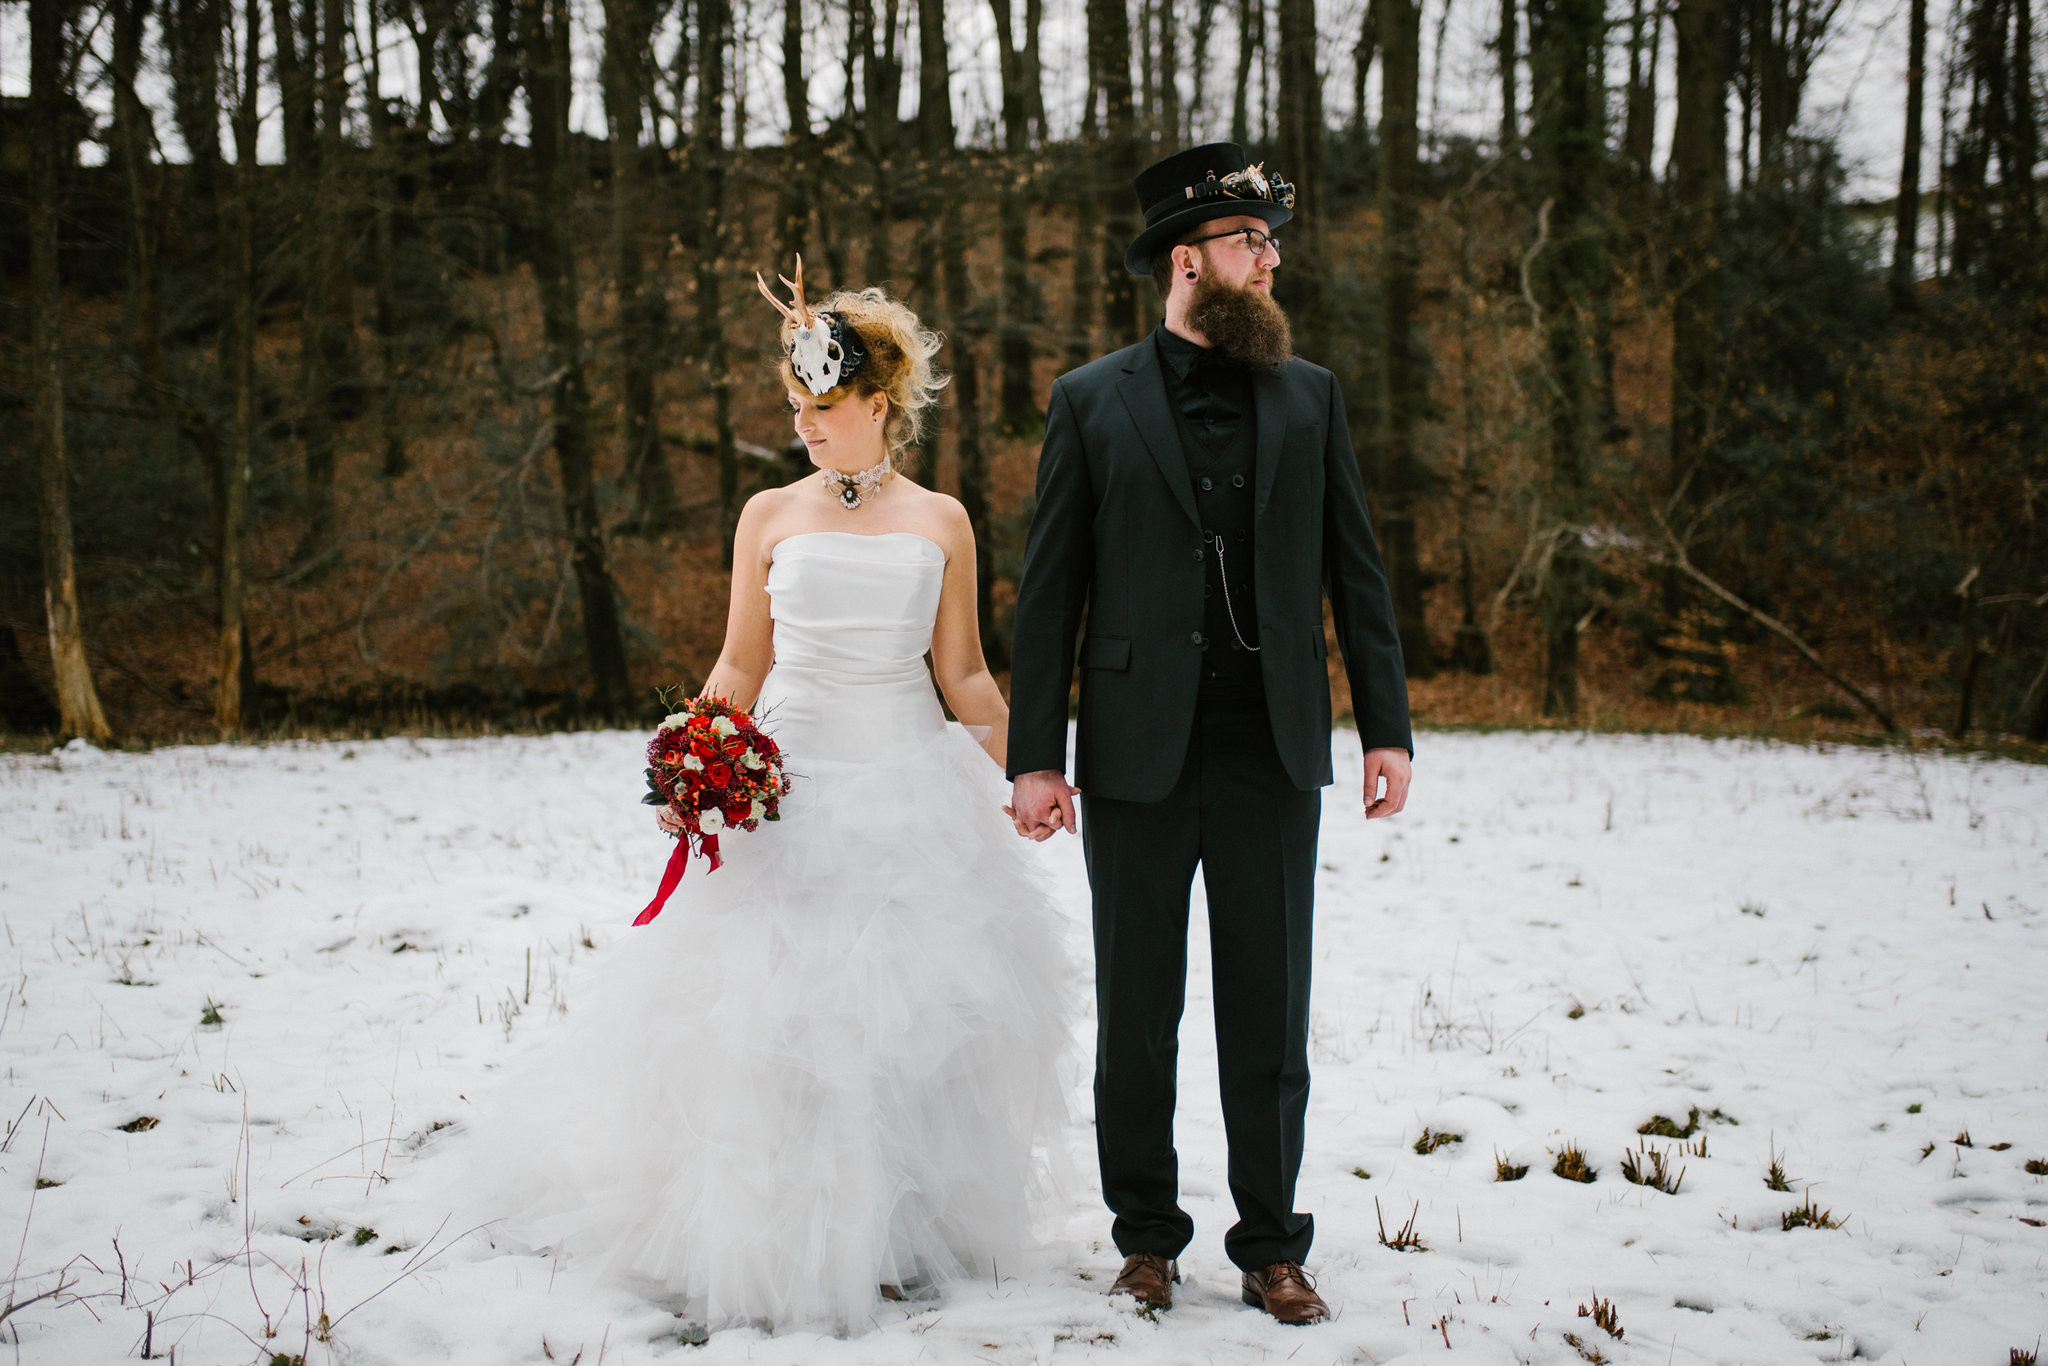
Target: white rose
760, 809
693, 763
753, 760
674, 721
723, 725
712, 821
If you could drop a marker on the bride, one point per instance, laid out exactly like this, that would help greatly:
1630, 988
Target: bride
819, 1078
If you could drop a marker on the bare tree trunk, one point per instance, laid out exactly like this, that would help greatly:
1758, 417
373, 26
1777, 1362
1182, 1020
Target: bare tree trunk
882, 89
1034, 75
391, 347
1570, 285
1906, 226
1363, 53
1298, 155
1699, 170
328, 351
1639, 129
939, 134
294, 88
1170, 132
1147, 93
629, 33
52, 135
1251, 40
1471, 647
799, 170
1109, 43
141, 185
235, 662
192, 40
1404, 361
545, 29
1507, 54
1017, 407
1198, 64
1083, 280
714, 26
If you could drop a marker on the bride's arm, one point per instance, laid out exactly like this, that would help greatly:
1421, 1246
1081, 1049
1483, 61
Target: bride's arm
749, 633
963, 674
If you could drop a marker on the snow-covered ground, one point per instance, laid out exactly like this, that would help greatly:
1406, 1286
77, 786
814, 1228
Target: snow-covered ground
242, 984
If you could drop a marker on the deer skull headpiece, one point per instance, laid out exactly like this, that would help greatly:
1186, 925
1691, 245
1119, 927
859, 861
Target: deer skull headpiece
824, 350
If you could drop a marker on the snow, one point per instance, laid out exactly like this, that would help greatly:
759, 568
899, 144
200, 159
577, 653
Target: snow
1836, 957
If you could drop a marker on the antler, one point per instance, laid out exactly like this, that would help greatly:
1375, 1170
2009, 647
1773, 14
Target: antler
801, 314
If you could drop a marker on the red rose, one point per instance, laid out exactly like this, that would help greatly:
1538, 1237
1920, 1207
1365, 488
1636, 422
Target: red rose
719, 774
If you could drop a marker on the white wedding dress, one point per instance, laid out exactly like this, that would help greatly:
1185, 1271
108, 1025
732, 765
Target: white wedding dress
836, 1063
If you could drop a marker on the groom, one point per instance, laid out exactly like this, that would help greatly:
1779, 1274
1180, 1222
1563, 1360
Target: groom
1197, 494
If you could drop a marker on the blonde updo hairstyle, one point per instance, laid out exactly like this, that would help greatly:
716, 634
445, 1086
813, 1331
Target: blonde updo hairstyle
899, 364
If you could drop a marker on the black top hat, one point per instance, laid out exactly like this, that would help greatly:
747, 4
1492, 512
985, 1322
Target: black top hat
1190, 187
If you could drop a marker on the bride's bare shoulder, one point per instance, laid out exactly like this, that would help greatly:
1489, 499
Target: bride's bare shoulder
941, 517
762, 520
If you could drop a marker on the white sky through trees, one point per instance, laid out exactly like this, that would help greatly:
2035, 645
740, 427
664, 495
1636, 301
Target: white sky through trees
1856, 94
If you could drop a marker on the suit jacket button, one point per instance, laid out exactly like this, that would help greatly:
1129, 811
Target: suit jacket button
1207, 483
1198, 554
1237, 481
1200, 643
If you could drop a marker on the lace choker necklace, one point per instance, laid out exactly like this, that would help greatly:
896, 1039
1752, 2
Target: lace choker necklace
854, 489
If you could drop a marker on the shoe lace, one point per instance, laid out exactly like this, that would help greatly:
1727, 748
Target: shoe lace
1289, 1271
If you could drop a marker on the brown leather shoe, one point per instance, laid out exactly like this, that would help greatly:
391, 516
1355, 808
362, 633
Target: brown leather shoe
1147, 1278
1286, 1292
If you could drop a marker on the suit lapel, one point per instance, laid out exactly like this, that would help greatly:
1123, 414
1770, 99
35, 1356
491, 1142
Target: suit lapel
1269, 402
1143, 388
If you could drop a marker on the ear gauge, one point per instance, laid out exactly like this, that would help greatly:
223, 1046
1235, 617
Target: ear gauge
1191, 275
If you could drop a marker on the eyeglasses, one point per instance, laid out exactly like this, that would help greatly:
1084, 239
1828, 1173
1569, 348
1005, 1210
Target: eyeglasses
1255, 241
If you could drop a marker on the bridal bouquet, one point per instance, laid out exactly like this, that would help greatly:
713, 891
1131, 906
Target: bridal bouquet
711, 764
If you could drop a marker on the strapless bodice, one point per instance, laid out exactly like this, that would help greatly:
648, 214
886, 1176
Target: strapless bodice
853, 620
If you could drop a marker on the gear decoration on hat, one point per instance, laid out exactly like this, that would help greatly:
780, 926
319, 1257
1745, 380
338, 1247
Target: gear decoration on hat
824, 349
1250, 183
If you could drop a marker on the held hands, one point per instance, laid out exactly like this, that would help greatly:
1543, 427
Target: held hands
1041, 803
1392, 765
668, 820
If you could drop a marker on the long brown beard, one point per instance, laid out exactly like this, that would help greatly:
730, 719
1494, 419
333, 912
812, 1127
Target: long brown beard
1244, 326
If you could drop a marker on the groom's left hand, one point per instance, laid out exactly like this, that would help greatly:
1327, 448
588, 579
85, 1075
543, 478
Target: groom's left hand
1393, 766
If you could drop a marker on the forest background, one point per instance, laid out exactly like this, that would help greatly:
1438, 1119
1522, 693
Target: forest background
349, 383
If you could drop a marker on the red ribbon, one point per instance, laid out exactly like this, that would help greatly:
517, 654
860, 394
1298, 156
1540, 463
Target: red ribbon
678, 860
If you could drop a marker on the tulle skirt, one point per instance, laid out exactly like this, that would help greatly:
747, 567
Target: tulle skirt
840, 1062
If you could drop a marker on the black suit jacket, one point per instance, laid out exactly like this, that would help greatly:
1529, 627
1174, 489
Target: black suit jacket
1116, 541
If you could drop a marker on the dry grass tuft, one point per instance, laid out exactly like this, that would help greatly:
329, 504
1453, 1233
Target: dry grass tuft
2037, 1166
1504, 1170
1586, 1350
1571, 1164
1663, 1126
1808, 1215
1774, 1176
1407, 1239
1646, 1168
2020, 1356
1604, 1315
1431, 1141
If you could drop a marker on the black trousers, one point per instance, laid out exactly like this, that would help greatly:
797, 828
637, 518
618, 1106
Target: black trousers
1235, 813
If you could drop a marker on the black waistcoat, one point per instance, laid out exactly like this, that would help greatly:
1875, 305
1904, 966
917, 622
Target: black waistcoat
1221, 467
